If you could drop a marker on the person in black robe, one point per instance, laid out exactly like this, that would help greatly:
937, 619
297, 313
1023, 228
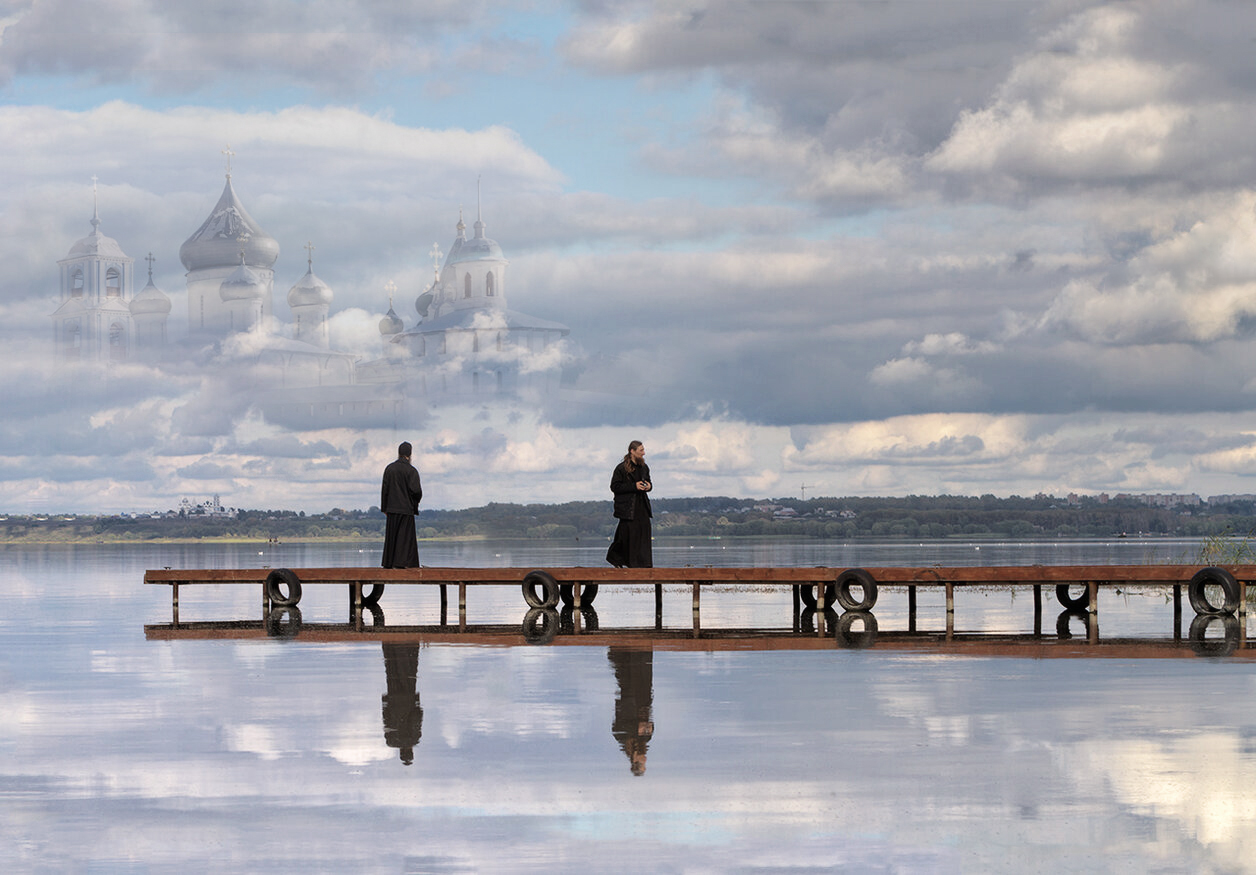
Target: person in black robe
633, 727
403, 715
400, 494
631, 484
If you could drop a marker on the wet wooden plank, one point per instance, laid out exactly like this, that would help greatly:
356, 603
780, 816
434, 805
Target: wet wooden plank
1102, 575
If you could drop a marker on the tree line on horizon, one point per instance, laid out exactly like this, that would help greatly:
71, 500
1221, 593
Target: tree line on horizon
913, 516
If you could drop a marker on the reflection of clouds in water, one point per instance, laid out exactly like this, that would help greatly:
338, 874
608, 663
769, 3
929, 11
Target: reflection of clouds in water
1200, 781
506, 692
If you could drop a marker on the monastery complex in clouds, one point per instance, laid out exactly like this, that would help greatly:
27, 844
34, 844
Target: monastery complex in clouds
464, 343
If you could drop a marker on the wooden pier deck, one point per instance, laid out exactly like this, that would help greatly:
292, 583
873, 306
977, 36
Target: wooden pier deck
1212, 590
1200, 642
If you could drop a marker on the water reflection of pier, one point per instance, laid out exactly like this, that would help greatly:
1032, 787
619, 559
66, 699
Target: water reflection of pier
630, 651
1075, 633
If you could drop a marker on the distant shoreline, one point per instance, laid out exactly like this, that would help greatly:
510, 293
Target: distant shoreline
374, 540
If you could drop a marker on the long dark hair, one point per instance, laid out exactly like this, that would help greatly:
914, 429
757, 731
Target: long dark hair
628, 465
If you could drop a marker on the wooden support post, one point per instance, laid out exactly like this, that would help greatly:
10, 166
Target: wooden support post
444, 605
1092, 592
658, 606
1242, 600
697, 622
462, 606
1177, 612
911, 608
174, 601
575, 599
820, 605
950, 597
797, 607
1037, 608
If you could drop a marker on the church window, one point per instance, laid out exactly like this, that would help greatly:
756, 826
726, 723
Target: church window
73, 339
117, 342
475, 342
499, 381
499, 341
466, 285
475, 382
422, 346
443, 347
113, 283
76, 284
489, 284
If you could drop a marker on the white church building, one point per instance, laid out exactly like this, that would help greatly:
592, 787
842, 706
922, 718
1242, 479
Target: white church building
465, 343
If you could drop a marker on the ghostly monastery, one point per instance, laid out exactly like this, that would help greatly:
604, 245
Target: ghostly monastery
464, 342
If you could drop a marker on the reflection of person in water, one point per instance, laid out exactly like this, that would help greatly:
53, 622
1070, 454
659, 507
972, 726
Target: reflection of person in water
633, 726
403, 716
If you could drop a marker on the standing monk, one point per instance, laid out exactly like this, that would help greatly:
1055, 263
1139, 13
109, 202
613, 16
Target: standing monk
630, 481
399, 498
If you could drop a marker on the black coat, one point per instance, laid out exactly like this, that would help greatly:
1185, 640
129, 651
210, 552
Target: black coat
401, 491
624, 485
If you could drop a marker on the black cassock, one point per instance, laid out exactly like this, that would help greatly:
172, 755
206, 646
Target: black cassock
400, 494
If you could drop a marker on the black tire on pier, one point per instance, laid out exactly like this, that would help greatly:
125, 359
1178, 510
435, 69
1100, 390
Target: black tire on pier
588, 593
856, 640
807, 592
1223, 646
567, 620
862, 579
371, 597
1070, 602
1200, 595
549, 588
540, 625
276, 580
807, 620
1063, 623
275, 625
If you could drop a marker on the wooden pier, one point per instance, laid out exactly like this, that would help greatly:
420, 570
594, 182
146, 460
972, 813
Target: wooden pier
1212, 590
1200, 641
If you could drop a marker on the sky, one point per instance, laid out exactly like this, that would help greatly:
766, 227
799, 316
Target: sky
832, 248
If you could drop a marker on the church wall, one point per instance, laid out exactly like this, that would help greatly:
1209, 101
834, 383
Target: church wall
208, 313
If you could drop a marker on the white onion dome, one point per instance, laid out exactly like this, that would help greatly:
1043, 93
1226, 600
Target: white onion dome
309, 290
150, 301
478, 248
391, 323
243, 284
97, 244
229, 228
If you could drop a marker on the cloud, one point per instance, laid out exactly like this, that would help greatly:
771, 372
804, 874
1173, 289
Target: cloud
189, 47
1099, 102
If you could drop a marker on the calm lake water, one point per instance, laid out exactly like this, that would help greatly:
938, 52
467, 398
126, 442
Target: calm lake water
124, 752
